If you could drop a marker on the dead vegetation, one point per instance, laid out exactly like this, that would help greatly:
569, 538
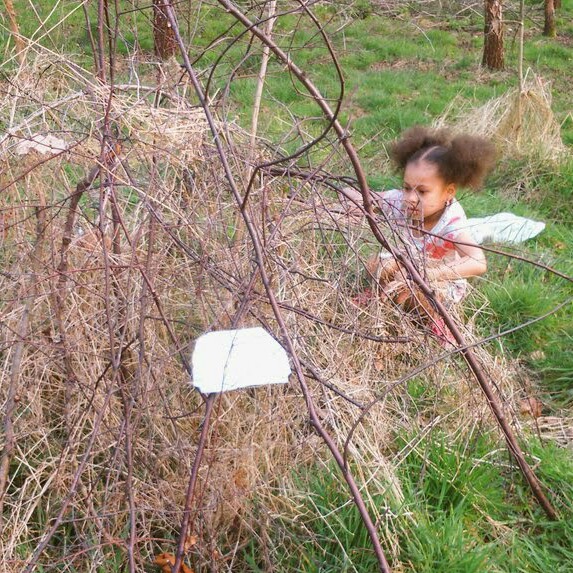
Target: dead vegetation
520, 121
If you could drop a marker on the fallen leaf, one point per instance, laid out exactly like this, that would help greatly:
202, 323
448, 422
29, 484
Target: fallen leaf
190, 541
537, 355
241, 478
166, 562
42, 144
379, 363
531, 407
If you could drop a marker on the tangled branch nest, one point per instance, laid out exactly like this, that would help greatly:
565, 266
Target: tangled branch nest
101, 304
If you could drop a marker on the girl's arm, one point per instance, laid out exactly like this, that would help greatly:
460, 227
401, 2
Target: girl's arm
472, 261
355, 200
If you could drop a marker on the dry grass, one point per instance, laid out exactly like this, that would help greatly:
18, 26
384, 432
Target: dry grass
96, 334
521, 122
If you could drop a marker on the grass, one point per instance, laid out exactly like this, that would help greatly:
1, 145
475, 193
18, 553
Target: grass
61, 26
464, 511
518, 292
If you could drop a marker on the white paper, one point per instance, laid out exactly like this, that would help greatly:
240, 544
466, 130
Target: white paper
503, 228
42, 144
231, 359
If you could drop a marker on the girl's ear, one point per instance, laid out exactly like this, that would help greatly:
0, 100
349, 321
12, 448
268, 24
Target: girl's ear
451, 190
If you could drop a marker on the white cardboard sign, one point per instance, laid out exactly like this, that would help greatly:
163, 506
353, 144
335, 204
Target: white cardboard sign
232, 359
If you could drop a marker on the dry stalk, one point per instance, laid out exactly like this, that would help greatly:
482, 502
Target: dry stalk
29, 293
520, 121
270, 21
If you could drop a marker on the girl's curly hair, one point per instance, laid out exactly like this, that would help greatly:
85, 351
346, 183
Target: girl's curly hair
464, 160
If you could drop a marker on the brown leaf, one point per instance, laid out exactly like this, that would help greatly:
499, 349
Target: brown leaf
241, 478
379, 363
531, 407
190, 542
166, 562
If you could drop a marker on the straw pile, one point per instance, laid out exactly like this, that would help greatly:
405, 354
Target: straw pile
100, 308
520, 121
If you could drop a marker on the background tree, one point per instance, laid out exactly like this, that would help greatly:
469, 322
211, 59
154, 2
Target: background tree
493, 52
164, 42
11, 12
549, 28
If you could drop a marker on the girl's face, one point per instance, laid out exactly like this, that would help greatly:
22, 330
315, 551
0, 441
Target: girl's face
425, 192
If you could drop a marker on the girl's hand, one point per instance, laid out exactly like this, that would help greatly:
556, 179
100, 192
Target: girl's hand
352, 201
471, 263
398, 290
382, 269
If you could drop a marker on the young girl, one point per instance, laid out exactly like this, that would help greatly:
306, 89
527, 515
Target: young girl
428, 218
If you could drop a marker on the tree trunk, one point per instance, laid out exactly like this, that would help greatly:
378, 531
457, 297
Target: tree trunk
549, 28
164, 42
493, 53
18, 41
